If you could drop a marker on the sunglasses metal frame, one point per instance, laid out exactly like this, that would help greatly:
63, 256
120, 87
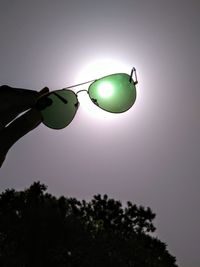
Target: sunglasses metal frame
65, 101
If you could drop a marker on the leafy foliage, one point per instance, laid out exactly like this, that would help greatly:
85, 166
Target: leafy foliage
38, 229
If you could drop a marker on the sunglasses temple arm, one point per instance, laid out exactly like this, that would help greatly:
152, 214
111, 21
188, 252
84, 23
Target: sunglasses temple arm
135, 74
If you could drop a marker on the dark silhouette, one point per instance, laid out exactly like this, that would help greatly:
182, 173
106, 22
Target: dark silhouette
38, 229
14, 101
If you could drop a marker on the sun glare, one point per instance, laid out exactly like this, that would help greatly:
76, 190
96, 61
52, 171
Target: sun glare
105, 89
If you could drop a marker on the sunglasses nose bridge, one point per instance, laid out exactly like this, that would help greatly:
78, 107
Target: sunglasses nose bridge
82, 90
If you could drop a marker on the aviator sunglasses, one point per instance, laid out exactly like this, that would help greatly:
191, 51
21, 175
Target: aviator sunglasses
115, 93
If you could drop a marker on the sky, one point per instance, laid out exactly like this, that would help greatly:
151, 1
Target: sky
148, 155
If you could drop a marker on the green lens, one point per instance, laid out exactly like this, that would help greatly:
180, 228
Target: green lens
60, 109
114, 93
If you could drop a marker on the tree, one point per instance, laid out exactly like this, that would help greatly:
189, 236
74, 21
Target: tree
38, 229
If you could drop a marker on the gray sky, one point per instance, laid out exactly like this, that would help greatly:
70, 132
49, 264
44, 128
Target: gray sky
149, 155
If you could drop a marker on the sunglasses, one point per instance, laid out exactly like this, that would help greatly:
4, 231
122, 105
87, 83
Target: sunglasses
115, 93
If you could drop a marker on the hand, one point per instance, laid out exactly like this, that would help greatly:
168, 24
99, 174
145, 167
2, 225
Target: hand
14, 101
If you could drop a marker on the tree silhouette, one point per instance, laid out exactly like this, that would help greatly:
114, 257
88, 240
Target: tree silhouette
38, 229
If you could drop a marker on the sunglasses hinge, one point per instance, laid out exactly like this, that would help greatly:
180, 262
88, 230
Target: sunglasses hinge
135, 74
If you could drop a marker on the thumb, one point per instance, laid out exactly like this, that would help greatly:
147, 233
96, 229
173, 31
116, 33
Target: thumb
18, 128
2, 158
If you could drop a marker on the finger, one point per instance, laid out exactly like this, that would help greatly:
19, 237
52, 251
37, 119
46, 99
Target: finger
18, 128
17, 97
14, 101
44, 91
2, 158
21, 99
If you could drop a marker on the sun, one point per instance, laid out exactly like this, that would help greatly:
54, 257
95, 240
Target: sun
105, 89
95, 70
